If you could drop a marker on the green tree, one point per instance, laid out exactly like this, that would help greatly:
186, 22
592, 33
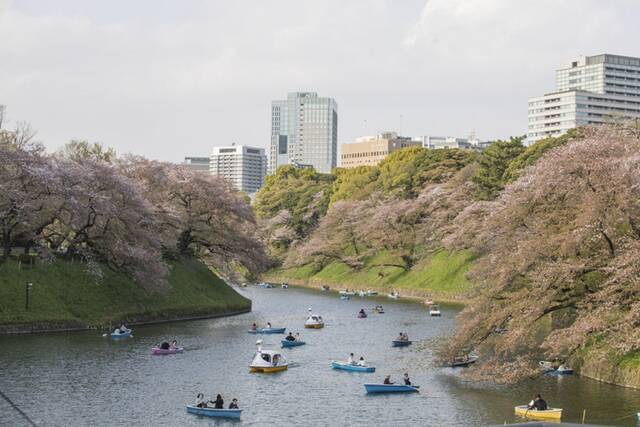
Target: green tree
405, 172
532, 153
80, 150
354, 183
303, 192
493, 163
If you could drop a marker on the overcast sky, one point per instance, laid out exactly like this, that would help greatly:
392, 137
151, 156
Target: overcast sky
167, 79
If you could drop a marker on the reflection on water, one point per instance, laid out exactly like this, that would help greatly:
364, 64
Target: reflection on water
83, 379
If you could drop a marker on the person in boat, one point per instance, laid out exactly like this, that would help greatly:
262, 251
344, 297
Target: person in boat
174, 345
407, 380
233, 404
165, 346
405, 337
218, 403
268, 325
275, 359
350, 360
387, 380
297, 336
123, 329
538, 404
361, 362
290, 337
362, 313
254, 327
200, 401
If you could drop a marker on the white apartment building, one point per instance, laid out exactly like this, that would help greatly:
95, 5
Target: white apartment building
438, 142
304, 130
243, 166
591, 90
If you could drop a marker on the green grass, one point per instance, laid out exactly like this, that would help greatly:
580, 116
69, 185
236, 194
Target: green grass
63, 292
442, 273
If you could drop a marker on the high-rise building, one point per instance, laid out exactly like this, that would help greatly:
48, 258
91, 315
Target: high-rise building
198, 164
304, 130
370, 150
243, 166
590, 90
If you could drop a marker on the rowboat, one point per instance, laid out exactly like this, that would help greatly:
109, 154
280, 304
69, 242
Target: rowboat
534, 414
267, 331
428, 302
462, 362
296, 343
217, 413
162, 351
347, 293
266, 285
324, 288
371, 293
285, 286
391, 388
394, 295
400, 343
119, 334
268, 361
562, 370
434, 310
349, 367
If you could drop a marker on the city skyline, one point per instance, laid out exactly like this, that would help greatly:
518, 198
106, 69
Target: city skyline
87, 70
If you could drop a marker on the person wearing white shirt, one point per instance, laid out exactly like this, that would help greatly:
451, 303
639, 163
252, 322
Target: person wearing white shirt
350, 360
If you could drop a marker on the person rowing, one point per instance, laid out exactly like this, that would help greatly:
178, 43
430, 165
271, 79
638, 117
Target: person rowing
290, 337
538, 404
350, 360
407, 380
218, 403
200, 401
387, 380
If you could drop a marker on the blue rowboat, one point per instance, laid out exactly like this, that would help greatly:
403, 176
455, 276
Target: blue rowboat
268, 331
400, 343
286, 343
349, 367
391, 388
217, 413
125, 334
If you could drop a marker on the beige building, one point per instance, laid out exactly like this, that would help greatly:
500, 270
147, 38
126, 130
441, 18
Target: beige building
369, 150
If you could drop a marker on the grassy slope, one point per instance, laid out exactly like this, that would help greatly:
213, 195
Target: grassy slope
441, 275
63, 292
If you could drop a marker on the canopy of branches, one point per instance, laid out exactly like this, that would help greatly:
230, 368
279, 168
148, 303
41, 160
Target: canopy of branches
129, 213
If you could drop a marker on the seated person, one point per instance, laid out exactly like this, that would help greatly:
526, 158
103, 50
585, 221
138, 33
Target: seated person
405, 337
268, 325
538, 404
233, 404
174, 345
165, 346
350, 360
200, 402
218, 403
387, 380
407, 381
123, 329
254, 327
400, 337
361, 362
275, 360
290, 337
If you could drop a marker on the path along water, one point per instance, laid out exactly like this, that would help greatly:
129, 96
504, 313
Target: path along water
81, 379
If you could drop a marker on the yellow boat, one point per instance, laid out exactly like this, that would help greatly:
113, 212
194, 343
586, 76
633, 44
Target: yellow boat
534, 414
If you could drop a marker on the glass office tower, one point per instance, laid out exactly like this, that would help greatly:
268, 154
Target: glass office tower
304, 131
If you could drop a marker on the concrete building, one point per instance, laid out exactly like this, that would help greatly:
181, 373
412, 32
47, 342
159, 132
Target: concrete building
370, 150
590, 90
439, 142
304, 130
198, 164
243, 166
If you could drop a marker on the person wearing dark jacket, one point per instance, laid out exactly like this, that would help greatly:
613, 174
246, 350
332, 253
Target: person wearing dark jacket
233, 404
407, 381
290, 337
218, 403
538, 404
